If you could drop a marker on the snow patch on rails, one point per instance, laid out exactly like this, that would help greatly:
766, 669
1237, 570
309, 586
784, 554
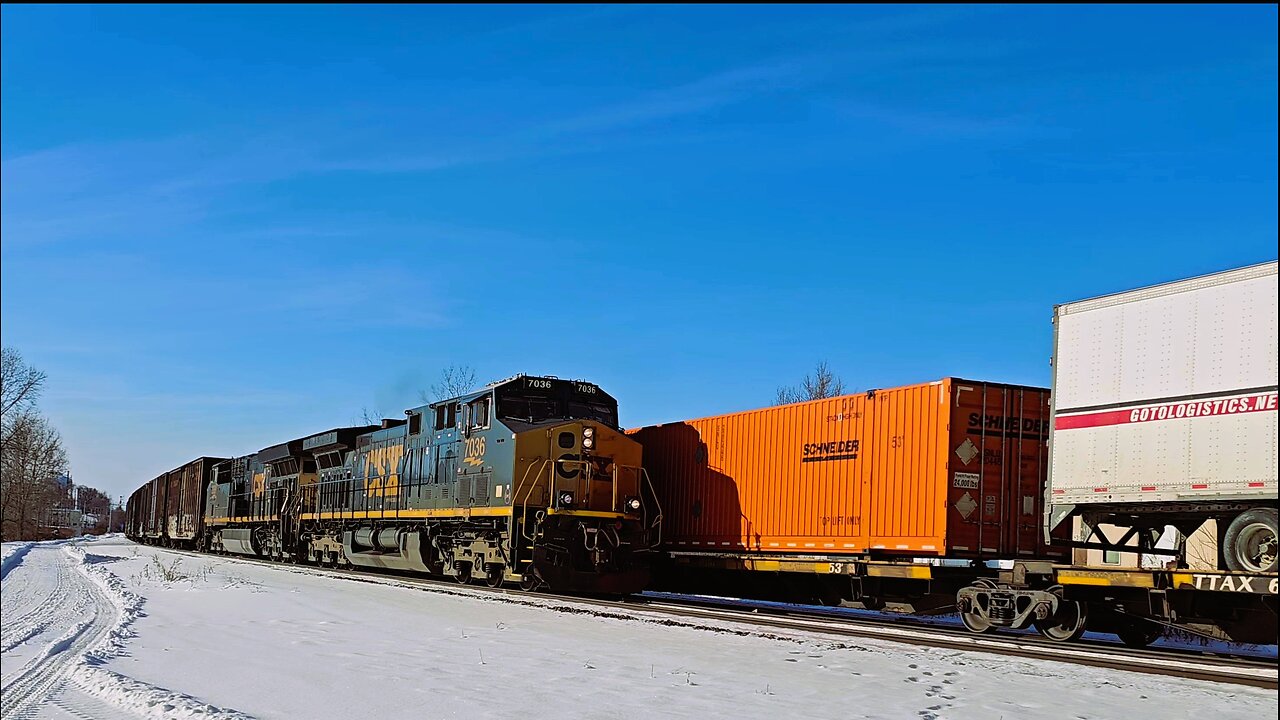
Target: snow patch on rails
74, 660
709, 616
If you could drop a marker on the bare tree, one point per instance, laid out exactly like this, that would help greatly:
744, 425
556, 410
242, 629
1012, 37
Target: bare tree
455, 380
33, 458
20, 384
1202, 547
31, 451
821, 384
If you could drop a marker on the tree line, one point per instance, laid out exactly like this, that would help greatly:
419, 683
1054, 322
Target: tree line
37, 497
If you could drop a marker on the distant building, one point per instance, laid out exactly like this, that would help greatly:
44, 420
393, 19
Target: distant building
62, 523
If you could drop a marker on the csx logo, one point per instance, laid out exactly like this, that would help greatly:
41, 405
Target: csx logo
380, 471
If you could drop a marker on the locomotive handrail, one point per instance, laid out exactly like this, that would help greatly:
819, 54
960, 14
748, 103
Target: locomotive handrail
528, 490
657, 520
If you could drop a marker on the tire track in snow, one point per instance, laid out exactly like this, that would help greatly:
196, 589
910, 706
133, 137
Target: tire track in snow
67, 678
38, 604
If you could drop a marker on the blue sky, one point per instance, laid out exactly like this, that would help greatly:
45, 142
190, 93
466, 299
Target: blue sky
224, 227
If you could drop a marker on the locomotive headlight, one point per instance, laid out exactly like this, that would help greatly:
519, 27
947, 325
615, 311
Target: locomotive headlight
588, 431
633, 504
588, 441
566, 499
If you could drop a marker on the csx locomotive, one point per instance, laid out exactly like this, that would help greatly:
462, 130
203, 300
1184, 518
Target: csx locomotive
528, 481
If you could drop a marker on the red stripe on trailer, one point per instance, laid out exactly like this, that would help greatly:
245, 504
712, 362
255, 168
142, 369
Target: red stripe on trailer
1100, 489
1255, 484
1148, 488
1199, 486
1110, 417
1168, 411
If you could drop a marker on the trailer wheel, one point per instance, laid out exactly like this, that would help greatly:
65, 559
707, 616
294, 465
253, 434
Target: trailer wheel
1068, 624
1139, 634
1250, 542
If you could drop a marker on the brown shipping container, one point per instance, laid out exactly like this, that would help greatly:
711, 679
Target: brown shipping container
951, 468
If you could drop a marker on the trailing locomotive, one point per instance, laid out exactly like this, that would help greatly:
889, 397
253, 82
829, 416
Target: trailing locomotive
528, 480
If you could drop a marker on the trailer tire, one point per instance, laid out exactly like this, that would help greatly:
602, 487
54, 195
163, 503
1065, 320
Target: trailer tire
1250, 542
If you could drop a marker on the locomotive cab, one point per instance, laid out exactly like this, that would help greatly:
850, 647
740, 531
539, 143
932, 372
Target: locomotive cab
578, 491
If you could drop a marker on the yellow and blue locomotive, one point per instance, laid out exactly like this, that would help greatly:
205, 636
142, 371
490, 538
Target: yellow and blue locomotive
529, 481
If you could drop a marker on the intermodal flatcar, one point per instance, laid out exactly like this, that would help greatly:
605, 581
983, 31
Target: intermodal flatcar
842, 498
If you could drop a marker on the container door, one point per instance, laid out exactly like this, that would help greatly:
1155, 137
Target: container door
998, 461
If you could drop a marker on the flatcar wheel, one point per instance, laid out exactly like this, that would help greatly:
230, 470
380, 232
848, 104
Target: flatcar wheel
1139, 634
976, 621
1068, 624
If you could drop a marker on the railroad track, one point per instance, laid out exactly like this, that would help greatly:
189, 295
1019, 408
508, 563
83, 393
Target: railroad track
1199, 665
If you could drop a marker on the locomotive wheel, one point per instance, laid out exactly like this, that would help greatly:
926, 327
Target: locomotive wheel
493, 578
463, 575
1139, 634
1069, 622
1250, 542
530, 581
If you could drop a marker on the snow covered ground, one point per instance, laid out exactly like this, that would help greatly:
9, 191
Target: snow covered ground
107, 629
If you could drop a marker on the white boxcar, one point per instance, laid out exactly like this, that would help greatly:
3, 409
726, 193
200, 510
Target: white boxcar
1164, 401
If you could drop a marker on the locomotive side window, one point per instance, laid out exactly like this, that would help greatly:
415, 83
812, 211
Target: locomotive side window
446, 416
415, 423
523, 408
479, 414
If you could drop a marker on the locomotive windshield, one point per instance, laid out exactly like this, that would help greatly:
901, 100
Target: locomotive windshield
534, 400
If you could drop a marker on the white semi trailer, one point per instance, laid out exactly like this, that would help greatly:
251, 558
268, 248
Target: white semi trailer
1164, 413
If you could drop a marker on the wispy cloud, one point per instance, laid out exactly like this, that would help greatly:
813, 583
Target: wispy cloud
692, 98
936, 123
148, 188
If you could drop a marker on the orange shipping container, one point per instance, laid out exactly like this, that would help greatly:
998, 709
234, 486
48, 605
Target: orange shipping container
951, 468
